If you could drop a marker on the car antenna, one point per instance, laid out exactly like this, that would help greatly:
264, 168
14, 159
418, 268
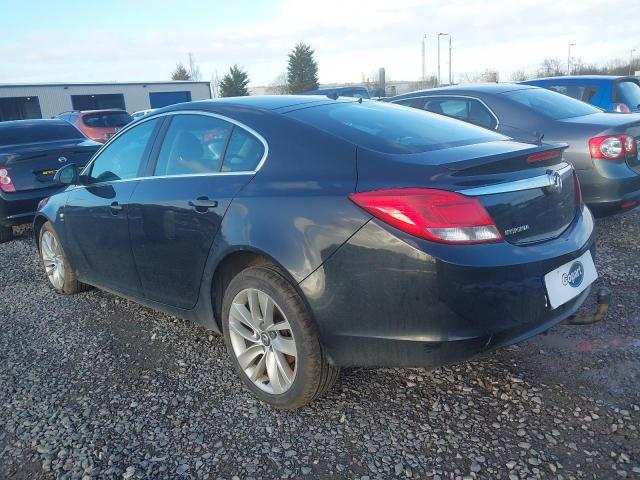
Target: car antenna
333, 95
360, 100
540, 136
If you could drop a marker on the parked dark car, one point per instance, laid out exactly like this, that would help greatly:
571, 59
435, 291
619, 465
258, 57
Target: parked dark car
610, 93
318, 233
603, 147
354, 92
98, 125
31, 151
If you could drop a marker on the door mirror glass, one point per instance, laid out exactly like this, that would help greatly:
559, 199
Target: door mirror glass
67, 175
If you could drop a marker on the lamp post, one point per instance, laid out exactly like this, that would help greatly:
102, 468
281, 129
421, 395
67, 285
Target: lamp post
450, 76
424, 61
569, 58
439, 35
631, 59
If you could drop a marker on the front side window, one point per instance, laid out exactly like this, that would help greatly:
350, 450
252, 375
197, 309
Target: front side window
551, 104
121, 158
194, 144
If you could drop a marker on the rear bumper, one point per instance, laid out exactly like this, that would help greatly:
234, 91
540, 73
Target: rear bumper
388, 300
18, 208
610, 187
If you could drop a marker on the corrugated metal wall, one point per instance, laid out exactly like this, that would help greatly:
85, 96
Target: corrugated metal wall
55, 99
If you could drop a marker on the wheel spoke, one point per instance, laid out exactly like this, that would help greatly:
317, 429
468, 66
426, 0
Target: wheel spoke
249, 355
266, 308
254, 307
240, 329
272, 372
284, 368
284, 345
283, 325
242, 315
259, 370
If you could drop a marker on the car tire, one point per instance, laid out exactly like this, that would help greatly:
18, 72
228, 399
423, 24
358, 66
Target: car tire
59, 272
289, 369
6, 234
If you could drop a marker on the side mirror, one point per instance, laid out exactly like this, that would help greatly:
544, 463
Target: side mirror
67, 175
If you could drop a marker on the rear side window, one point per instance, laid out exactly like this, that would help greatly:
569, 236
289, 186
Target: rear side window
106, 119
243, 153
551, 104
627, 92
38, 132
193, 144
391, 128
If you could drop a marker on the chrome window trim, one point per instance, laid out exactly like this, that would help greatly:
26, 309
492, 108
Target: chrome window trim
539, 181
457, 96
236, 123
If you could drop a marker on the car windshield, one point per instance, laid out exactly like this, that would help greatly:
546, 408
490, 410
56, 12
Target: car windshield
44, 131
628, 92
551, 104
392, 128
107, 119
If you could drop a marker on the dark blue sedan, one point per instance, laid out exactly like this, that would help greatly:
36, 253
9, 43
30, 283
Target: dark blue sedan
608, 92
317, 233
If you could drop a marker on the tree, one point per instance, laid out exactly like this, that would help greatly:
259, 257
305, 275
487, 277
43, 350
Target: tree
279, 85
180, 73
194, 70
550, 67
519, 76
234, 83
302, 72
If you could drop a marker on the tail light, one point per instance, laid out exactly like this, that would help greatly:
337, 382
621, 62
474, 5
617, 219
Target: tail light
436, 215
6, 184
621, 108
612, 147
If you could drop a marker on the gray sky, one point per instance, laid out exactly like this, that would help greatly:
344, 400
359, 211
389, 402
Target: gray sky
43, 41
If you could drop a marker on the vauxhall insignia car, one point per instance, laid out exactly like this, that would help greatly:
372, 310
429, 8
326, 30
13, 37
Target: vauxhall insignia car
603, 147
31, 152
318, 233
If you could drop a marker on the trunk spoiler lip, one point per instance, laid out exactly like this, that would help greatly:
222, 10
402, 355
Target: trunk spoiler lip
546, 180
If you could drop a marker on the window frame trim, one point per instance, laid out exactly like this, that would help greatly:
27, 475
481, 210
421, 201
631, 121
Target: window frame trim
160, 140
468, 97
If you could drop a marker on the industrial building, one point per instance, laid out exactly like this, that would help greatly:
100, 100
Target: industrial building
44, 100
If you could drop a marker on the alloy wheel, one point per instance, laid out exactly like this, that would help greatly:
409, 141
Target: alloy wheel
53, 259
263, 341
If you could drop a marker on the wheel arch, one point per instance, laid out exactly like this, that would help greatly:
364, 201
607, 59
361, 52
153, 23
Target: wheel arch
38, 223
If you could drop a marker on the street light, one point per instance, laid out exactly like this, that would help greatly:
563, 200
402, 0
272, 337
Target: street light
440, 35
569, 58
631, 59
424, 48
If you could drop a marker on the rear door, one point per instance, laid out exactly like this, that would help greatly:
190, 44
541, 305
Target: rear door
203, 162
95, 215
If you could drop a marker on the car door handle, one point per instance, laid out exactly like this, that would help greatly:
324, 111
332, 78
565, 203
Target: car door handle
202, 204
115, 208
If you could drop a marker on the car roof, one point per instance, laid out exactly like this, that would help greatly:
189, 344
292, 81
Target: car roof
604, 78
264, 102
469, 88
32, 123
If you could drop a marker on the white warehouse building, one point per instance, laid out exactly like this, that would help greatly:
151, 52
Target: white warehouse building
44, 100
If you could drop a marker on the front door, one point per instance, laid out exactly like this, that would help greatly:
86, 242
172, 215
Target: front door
175, 214
95, 215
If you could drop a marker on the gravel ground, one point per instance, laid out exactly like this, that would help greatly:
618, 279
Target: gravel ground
95, 386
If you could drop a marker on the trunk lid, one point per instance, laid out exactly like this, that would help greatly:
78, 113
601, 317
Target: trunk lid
32, 166
529, 201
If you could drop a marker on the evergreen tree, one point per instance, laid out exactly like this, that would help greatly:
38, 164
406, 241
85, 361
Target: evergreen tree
234, 83
302, 72
180, 73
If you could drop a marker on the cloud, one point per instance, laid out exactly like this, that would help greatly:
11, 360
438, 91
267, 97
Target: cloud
350, 38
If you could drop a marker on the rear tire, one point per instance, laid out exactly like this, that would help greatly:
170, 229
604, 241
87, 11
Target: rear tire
268, 328
6, 234
59, 272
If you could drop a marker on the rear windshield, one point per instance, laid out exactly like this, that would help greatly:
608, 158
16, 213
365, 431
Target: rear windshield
628, 92
551, 104
107, 119
37, 132
392, 128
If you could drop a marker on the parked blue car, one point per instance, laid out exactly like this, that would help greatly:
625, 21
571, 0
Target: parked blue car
610, 93
354, 92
